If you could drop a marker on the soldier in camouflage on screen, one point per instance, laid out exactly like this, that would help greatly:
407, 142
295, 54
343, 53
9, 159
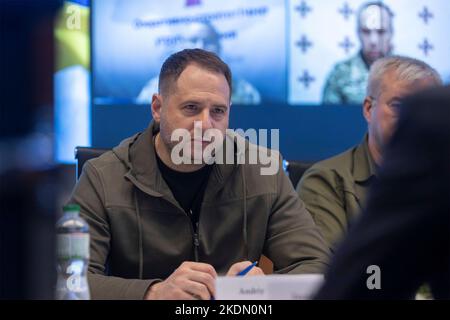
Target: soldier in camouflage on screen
346, 83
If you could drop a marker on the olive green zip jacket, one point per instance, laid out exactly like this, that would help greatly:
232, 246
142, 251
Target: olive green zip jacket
140, 234
334, 190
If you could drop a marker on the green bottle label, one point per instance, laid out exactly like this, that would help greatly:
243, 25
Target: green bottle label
73, 246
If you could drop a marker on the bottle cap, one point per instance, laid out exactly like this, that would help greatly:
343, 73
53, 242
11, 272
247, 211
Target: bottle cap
71, 208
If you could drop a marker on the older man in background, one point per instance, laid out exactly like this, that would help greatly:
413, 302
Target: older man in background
334, 190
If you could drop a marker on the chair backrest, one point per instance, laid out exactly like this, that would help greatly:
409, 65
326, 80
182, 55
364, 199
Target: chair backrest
83, 154
296, 169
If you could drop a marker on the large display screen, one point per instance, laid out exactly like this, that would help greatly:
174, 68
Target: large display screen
292, 52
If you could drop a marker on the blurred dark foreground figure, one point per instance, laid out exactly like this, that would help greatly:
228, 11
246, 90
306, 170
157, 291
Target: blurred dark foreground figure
402, 240
28, 178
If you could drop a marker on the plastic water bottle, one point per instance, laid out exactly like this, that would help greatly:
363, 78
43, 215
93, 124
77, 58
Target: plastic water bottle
72, 236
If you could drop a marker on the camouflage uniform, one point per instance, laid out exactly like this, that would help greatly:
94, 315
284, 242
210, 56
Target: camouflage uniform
346, 83
244, 93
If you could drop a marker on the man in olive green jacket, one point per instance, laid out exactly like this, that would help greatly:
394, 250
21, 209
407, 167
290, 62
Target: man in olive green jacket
334, 190
161, 230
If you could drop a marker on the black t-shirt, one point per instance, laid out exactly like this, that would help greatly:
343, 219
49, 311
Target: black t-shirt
188, 188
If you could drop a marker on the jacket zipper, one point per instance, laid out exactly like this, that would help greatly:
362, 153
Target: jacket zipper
196, 239
196, 246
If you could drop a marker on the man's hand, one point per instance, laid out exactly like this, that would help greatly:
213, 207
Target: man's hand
239, 266
191, 280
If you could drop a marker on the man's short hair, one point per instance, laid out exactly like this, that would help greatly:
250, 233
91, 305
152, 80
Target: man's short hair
379, 4
177, 62
405, 68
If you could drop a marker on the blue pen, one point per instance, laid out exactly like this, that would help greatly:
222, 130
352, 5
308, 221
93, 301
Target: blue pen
242, 273
246, 270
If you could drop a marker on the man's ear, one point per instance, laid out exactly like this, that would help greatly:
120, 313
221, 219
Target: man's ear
156, 107
367, 108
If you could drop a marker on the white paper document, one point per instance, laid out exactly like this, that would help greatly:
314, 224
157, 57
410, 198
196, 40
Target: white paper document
270, 287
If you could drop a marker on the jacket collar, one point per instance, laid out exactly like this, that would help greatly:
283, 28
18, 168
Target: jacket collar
364, 166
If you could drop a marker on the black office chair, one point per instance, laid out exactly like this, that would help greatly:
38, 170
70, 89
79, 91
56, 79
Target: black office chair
83, 154
296, 169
